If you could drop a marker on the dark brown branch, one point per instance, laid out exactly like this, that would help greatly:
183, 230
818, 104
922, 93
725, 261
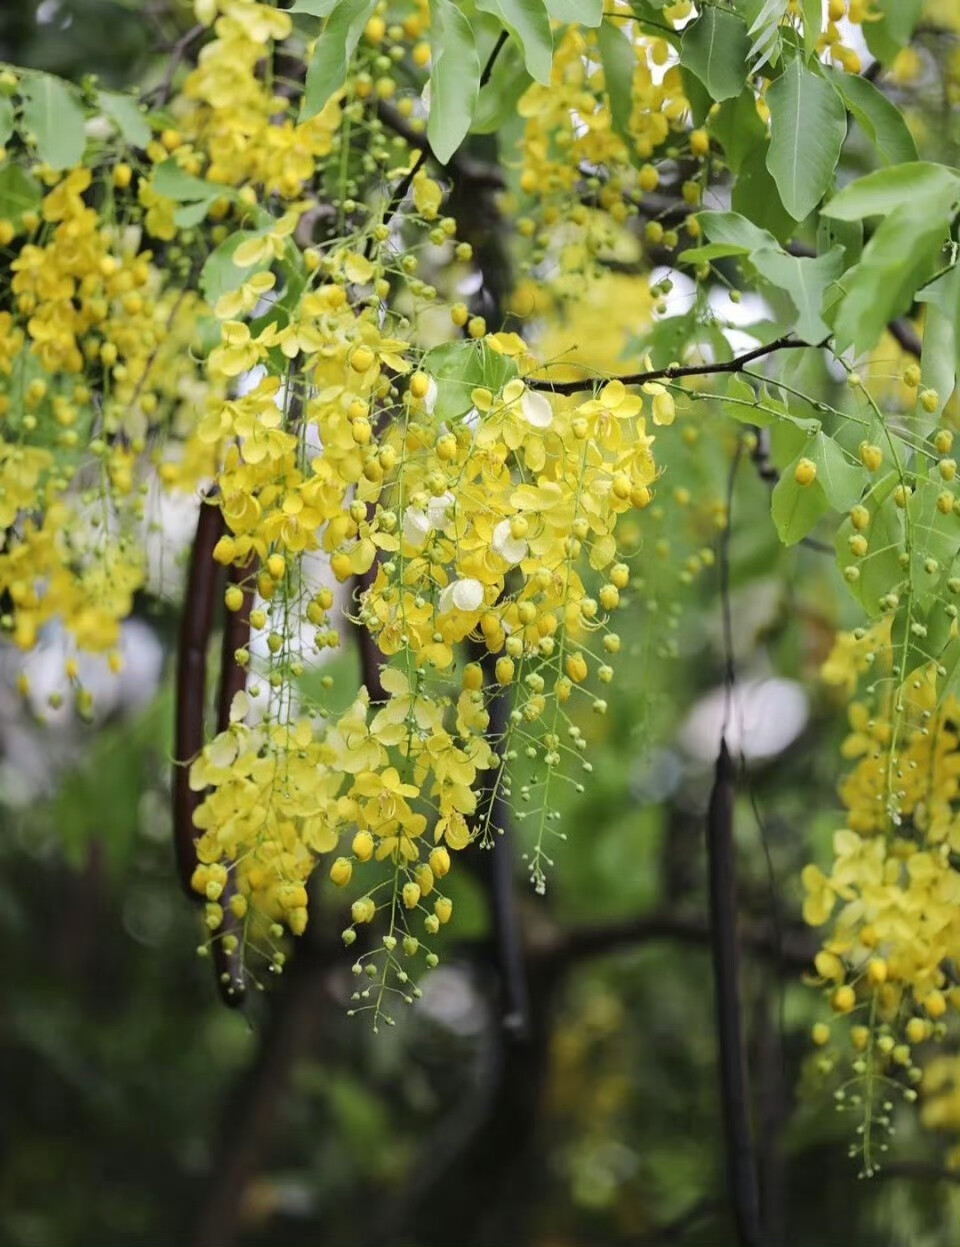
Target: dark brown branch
495, 812
740, 1156
916, 1171
229, 967
460, 166
582, 943
492, 58
203, 583
674, 371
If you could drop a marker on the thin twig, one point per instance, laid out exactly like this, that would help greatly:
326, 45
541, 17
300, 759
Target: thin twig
492, 58
674, 371
460, 166
177, 53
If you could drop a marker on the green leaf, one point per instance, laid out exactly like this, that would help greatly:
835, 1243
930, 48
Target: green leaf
125, 112
586, 12
715, 48
940, 359
880, 570
52, 114
454, 78
755, 195
190, 214
740, 404
804, 280
334, 50
316, 8
885, 190
497, 102
529, 24
458, 368
765, 29
734, 231
842, 479
696, 95
616, 55
19, 192
881, 121
219, 274
902, 254
896, 24
808, 124
737, 127
172, 182
928, 636
796, 508
6, 119
934, 535
832, 232
812, 24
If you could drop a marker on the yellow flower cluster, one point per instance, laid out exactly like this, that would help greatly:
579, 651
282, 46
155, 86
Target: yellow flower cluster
570, 128
892, 895
92, 367
237, 129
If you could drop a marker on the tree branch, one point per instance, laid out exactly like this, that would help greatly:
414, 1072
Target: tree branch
674, 371
203, 582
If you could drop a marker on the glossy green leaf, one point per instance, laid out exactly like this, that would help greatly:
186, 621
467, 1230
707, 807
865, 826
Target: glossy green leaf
334, 50
808, 124
903, 253
881, 121
20, 192
812, 12
940, 361
756, 196
53, 116
715, 48
175, 183
458, 368
737, 127
315, 8
833, 232
892, 24
586, 12
220, 274
616, 55
732, 230
805, 280
126, 114
529, 24
842, 479
796, 508
765, 32
879, 569
6, 119
885, 190
454, 78
497, 102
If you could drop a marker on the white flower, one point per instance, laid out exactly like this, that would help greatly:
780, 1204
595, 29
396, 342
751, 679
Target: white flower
536, 410
437, 509
416, 527
430, 398
462, 595
511, 549
239, 707
418, 524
